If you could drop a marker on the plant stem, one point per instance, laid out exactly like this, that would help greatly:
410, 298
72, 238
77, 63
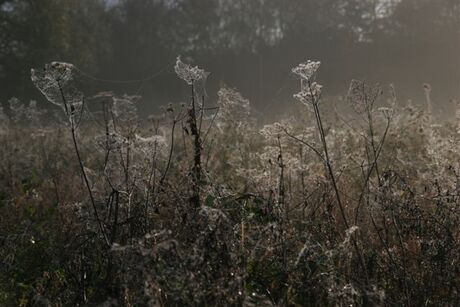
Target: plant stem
82, 168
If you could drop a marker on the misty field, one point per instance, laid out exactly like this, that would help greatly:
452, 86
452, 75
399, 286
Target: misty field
352, 202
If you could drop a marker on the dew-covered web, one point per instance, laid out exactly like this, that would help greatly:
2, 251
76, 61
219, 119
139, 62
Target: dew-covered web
55, 81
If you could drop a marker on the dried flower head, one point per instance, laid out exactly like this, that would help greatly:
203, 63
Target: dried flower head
55, 82
307, 71
387, 112
427, 87
273, 131
309, 94
188, 73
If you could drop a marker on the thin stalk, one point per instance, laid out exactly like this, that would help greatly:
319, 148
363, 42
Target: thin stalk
82, 168
332, 177
196, 170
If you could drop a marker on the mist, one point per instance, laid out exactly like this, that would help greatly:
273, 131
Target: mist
130, 46
229, 153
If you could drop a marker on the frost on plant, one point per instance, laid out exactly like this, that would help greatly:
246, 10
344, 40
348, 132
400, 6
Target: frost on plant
111, 141
310, 94
387, 112
234, 109
307, 71
190, 74
310, 90
55, 81
124, 108
282, 217
151, 145
273, 132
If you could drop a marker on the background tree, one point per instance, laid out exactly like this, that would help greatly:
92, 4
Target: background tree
247, 44
34, 32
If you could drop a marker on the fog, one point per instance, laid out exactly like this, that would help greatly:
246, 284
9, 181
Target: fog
266, 153
130, 46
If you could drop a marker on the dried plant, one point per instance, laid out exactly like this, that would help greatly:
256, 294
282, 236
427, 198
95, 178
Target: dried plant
200, 205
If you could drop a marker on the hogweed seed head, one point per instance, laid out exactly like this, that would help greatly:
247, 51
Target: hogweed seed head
307, 71
310, 91
55, 83
273, 131
189, 73
387, 112
309, 94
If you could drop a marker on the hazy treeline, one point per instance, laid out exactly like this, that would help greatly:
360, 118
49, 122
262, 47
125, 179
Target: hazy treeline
248, 44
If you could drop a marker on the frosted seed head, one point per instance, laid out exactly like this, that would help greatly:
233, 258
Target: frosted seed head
272, 132
307, 71
310, 94
387, 112
189, 73
55, 82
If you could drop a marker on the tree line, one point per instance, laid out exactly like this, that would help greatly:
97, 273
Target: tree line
246, 44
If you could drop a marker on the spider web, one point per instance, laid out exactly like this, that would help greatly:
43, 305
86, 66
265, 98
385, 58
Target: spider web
55, 82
